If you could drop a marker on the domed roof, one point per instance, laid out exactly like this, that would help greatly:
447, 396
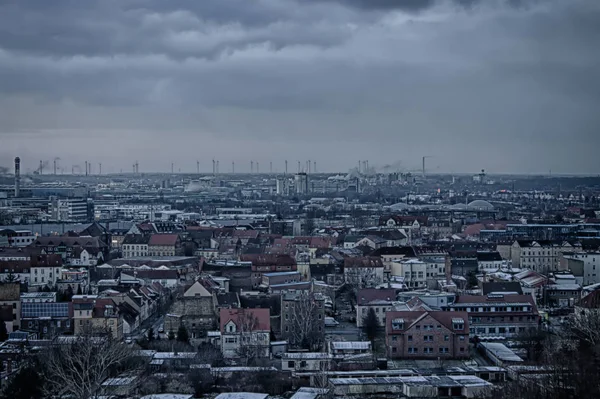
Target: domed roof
480, 204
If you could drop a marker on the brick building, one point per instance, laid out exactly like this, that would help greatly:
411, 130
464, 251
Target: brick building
427, 334
498, 314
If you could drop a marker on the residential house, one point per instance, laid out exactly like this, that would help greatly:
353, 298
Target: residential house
195, 309
70, 248
427, 334
168, 278
165, 245
47, 319
372, 241
380, 300
97, 314
463, 262
498, 315
245, 333
363, 272
135, 245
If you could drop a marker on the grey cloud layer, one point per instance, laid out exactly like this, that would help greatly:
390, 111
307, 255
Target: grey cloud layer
467, 74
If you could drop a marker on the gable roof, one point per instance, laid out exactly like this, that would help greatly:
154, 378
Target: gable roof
263, 320
363, 261
196, 290
411, 318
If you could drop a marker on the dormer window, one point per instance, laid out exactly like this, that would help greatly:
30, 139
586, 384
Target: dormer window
458, 324
398, 324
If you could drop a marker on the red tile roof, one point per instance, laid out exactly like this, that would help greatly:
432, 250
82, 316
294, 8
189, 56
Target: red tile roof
363, 261
163, 239
262, 317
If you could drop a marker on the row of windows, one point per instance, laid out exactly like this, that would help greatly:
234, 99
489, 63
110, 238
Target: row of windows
502, 318
485, 309
429, 350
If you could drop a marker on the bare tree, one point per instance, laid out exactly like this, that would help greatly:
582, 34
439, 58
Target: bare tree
76, 366
251, 345
585, 323
307, 321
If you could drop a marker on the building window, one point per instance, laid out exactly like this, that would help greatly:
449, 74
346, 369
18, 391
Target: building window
446, 338
410, 338
291, 364
394, 338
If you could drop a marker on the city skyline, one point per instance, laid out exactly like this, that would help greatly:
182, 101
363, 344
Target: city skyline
505, 86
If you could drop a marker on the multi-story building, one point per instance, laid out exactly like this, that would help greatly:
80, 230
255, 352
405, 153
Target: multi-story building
489, 261
18, 238
541, 256
303, 318
268, 263
380, 300
497, 314
71, 249
68, 209
195, 310
135, 245
47, 319
96, 315
363, 272
165, 245
413, 271
245, 333
427, 334
585, 265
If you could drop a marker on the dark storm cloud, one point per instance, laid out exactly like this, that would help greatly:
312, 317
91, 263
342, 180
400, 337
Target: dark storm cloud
379, 79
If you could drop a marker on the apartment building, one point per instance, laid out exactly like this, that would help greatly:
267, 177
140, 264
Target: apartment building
380, 300
497, 314
427, 334
135, 245
303, 317
363, 272
541, 256
165, 245
584, 265
413, 271
68, 209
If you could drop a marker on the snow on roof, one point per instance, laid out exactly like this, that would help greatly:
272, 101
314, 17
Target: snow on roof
242, 395
168, 396
338, 345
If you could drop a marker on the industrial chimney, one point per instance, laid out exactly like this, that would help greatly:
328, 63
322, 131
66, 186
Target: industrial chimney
17, 177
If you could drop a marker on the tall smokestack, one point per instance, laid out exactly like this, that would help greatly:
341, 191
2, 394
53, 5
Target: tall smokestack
17, 177
86, 168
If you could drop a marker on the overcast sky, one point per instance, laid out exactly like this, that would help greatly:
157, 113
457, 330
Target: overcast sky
511, 86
